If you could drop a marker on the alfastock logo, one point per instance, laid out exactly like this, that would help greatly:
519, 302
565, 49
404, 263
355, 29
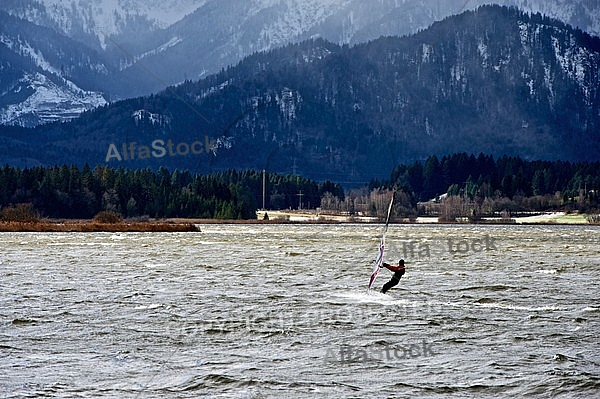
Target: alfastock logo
427, 248
356, 354
158, 149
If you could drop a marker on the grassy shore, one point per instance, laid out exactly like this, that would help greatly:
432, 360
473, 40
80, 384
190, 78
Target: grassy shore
548, 218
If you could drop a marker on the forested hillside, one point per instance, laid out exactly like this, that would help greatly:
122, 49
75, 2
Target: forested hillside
494, 80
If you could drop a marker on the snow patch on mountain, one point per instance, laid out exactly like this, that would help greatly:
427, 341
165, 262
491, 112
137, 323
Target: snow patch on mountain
108, 17
124, 64
583, 14
315, 54
575, 62
287, 101
48, 102
298, 17
212, 90
25, 48
151, 117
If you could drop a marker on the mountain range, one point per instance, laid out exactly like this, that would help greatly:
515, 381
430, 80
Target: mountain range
61, 57
495, 80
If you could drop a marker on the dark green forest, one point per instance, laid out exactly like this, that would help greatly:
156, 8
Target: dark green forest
70, 192
476, 178
505, 183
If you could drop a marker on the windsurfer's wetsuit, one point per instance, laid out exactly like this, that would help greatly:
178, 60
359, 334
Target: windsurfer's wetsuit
398, 272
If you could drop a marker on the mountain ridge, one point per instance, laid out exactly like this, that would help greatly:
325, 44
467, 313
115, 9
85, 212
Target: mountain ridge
191, 40
522, 85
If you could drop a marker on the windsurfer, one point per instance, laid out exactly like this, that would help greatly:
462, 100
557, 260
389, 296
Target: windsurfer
398, 273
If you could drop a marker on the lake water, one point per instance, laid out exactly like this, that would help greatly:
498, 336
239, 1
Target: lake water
257, 311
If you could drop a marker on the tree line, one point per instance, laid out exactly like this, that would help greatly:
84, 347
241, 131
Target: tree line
69, 192
467, 185
506, 183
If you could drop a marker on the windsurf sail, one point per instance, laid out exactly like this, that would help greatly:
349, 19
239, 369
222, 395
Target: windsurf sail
379, 260
378, 263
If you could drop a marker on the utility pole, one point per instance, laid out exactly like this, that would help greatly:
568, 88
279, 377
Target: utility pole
264, 188
300, 194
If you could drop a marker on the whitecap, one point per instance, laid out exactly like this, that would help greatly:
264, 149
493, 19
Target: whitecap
591, 309
370, 297
547, 271
151, 306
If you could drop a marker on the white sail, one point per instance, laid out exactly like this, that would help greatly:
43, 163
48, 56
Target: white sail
379, 260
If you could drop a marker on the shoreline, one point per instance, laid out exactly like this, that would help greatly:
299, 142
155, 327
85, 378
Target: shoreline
275, 217
90, 226
542, 218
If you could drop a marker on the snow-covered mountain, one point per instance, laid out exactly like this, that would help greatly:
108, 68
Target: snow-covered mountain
48, 101
177, 40
72, 17
85, 20
582, 14
522, 85
44, 76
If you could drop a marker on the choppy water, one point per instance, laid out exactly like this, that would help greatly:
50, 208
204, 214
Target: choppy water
248, 311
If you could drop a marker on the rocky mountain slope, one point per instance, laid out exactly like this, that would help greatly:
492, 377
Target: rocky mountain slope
496, 81
177, 40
